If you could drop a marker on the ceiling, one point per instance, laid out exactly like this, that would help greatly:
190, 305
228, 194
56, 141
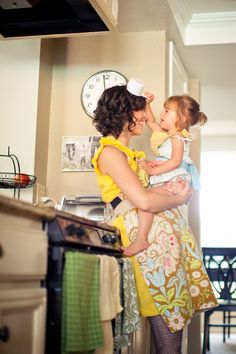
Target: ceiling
204, 32
193, 18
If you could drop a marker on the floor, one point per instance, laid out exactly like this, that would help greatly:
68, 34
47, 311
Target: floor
218, 347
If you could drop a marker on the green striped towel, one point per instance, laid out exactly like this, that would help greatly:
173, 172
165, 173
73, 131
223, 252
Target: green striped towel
81, 324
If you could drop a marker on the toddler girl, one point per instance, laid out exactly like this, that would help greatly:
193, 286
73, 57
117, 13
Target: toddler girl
170, 142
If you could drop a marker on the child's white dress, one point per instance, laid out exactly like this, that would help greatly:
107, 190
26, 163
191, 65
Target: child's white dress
161, 146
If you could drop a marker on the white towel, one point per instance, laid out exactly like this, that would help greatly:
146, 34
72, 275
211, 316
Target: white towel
109, 299
109, 288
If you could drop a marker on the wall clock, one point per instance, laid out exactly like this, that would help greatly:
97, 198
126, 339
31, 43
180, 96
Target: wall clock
95, 85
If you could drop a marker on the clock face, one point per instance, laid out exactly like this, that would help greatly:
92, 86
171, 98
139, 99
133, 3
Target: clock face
95, 85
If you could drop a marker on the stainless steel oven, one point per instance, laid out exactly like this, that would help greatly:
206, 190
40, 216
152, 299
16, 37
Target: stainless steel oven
87, 206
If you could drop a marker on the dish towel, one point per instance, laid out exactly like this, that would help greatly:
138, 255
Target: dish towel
110, 304
129, 320
109, 299
81, 324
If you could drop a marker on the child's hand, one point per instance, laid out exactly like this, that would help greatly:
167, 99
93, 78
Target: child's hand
155, 163
147, 167
149, 97
143, 164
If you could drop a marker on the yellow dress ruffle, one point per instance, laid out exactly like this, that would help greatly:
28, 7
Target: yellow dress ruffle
109, 189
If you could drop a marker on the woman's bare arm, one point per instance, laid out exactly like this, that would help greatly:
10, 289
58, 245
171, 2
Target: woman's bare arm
115, 164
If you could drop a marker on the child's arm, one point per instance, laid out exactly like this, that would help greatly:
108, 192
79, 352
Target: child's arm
169, 165
150, 118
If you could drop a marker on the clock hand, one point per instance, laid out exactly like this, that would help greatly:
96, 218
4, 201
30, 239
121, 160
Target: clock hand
104, 84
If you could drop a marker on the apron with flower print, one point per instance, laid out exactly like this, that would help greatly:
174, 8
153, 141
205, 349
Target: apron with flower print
172, 267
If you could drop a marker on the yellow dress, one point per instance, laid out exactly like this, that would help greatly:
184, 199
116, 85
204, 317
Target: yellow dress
170, 276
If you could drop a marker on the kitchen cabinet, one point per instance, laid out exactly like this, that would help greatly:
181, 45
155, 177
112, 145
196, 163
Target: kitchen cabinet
22, 320
108, 11
23, 266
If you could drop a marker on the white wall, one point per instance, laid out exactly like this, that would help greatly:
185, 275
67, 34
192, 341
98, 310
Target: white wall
19, 73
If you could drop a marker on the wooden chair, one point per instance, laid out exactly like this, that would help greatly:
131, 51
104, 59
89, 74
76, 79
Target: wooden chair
220, 264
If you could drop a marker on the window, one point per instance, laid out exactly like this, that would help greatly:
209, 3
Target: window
218, 199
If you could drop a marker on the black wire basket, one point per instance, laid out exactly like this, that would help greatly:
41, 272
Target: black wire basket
18, 180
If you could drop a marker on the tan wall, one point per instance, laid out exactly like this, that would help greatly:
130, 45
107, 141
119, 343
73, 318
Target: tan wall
140, 55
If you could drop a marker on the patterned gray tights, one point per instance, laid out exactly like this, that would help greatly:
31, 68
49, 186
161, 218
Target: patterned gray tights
166, 342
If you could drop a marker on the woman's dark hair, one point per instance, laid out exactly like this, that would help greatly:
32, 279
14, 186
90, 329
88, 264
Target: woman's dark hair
115, 108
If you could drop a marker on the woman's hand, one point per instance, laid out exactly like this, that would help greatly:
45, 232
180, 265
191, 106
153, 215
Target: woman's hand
175, 187
181, 188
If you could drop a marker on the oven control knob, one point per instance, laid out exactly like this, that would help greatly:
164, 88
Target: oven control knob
73, 230
70, 230
109, 238
80, 231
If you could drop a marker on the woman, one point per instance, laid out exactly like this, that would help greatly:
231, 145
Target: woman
171, 280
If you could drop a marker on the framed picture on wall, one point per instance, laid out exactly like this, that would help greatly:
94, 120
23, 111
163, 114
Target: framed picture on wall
77, 152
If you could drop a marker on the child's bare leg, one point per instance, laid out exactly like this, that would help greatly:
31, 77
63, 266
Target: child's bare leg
141, 242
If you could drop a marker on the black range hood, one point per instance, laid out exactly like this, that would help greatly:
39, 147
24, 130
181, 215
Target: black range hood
20, 18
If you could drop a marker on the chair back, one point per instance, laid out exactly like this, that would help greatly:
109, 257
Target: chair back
220, 264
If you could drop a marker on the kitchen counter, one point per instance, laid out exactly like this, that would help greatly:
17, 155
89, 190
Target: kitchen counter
24, 209
27, 210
